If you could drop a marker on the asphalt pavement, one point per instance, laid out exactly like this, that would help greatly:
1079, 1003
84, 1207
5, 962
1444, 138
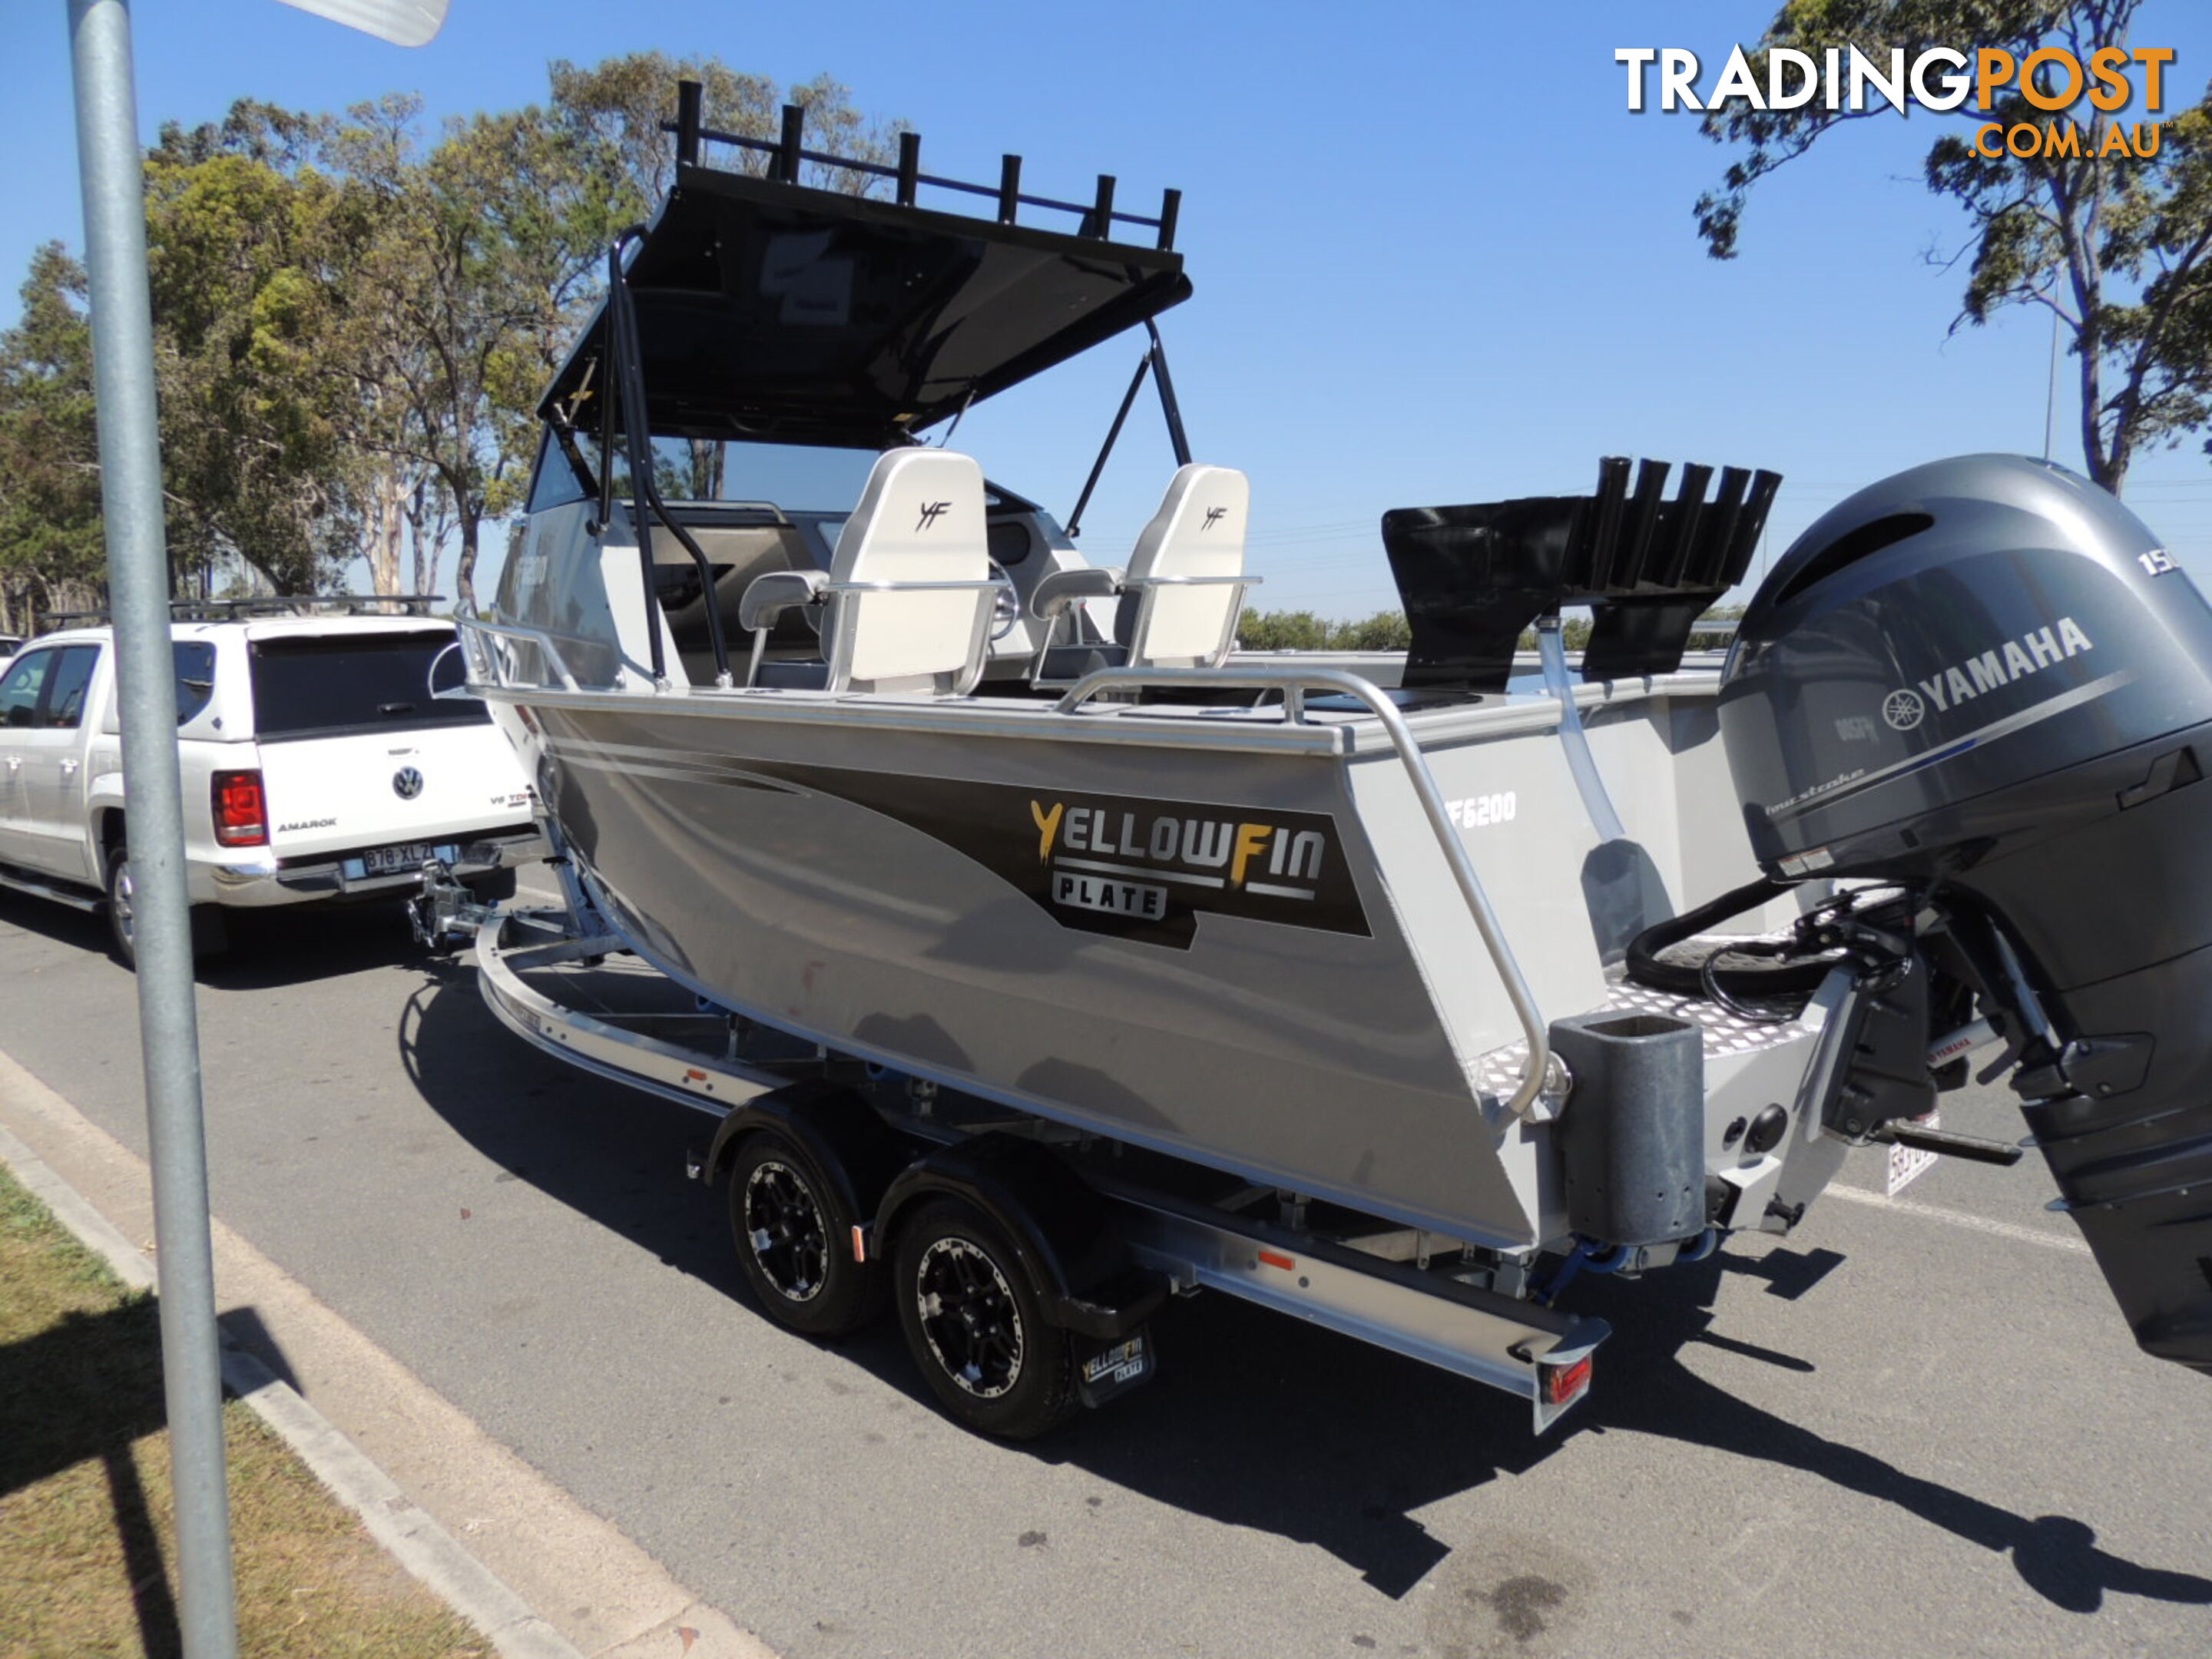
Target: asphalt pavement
1910, 1428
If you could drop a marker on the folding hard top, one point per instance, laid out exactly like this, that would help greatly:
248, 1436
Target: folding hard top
776, 311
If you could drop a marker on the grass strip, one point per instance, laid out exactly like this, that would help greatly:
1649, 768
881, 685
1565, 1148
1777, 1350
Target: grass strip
87, 1530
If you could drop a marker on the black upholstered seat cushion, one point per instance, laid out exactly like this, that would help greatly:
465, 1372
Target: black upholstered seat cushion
800, 675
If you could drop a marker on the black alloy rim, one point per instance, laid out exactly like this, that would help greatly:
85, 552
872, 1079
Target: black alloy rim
968, 1316
784, 1226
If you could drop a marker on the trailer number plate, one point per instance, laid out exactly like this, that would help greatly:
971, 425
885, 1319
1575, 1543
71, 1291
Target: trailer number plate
1908, 1164
1119, 898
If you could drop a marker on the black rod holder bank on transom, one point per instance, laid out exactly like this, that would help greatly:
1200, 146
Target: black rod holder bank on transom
1473, 578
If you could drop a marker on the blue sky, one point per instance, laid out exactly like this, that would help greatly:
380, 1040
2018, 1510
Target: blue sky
1435, 257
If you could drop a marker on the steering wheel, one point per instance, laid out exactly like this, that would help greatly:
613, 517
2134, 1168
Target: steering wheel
1006, 604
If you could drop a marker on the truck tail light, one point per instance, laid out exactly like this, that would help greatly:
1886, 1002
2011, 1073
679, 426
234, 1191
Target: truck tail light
242, 810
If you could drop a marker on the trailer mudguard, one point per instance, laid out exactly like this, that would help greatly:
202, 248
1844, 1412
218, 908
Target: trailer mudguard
856, 1149
1059, 1227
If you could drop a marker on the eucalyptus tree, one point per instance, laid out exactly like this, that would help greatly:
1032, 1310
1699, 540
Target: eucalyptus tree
2117, 246
50, 551
252, 257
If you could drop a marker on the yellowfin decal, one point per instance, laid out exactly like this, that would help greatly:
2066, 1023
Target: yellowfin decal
1047, 826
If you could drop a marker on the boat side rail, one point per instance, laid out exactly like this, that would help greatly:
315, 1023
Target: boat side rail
491, 666
1294, 684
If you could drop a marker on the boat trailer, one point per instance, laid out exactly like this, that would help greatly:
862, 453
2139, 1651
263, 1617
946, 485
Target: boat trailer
584, 997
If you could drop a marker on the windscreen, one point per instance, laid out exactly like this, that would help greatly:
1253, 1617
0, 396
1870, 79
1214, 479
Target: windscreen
796, 478
316, 686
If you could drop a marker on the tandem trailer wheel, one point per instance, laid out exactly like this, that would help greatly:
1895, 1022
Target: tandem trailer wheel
793, 1233
976, 1327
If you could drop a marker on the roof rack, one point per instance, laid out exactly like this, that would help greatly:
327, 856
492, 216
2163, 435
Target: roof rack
273, 604
786, 153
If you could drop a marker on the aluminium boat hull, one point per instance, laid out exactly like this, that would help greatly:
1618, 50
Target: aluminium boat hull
1220, 935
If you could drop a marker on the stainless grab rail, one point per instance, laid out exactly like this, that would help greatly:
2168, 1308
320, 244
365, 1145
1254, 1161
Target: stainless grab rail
1294, 684
495, 669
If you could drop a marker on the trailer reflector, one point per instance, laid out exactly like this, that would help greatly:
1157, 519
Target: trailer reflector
1277, 1259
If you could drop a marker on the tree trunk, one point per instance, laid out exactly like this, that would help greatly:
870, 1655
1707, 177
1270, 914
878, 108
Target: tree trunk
419, 538
387, 510
2106, 459
465, 573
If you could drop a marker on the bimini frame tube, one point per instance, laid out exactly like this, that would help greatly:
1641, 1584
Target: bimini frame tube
1155, 363
1294, 684
628, 379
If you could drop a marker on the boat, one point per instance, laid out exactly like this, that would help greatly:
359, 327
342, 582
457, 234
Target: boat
1529, 961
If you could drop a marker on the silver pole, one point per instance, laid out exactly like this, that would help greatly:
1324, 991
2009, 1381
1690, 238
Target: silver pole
138, 592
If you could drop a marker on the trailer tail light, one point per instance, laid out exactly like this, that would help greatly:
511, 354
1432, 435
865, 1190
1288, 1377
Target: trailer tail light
1565, 1384
242, 810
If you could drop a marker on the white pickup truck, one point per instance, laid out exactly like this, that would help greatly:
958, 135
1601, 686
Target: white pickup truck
318, 765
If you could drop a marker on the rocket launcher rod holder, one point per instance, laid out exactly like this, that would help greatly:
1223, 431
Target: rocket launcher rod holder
1473, 578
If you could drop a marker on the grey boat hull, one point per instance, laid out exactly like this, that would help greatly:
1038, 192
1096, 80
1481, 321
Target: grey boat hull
1322, 1018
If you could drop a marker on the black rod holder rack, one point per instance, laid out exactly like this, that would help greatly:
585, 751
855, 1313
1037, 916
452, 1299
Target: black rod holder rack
1472, 578
787, 153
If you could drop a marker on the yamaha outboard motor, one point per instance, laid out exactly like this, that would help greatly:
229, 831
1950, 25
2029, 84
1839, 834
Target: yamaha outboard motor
1985, 682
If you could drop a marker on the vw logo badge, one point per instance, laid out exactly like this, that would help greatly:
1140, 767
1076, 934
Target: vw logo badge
407, 782
1904, 710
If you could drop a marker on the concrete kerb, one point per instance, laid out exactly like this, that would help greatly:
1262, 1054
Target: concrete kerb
412, 1537
533, 1541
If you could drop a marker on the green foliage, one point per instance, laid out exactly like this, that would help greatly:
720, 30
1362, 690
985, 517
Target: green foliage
1301, 630
354, 315
2116, 247
1386, 630
51, 555
613, 112
250, 269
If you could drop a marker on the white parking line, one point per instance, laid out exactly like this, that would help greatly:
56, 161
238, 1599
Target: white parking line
1960, 1219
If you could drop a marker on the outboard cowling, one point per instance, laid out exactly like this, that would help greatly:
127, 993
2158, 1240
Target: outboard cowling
1985, 680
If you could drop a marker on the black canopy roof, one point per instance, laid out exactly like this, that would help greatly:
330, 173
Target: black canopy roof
776, 311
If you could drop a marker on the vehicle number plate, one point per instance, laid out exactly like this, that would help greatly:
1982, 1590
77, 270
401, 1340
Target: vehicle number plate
401, 860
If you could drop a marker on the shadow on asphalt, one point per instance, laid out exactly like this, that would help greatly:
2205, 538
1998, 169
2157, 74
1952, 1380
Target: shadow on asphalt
1254, 1421
266, 949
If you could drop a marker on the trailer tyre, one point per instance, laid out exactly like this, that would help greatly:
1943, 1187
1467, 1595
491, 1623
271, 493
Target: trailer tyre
794, 1237
976, 1327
